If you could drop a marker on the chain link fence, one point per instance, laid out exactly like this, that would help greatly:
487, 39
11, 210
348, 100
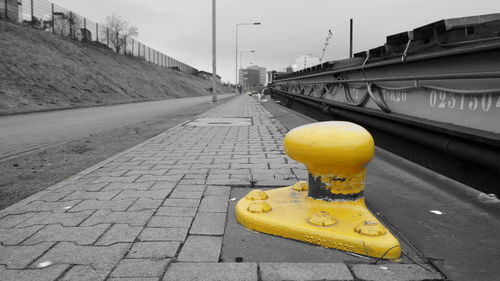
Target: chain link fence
46, 16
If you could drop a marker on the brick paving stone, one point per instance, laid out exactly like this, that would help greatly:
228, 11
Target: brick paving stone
140, 268
160, 162
123, 179
21, 256
85, 273
304, 271
201, 249
190, 188
231, 181
152, 194
195, 176
218, 177
126, 186
185, 194
181, 202
257, 165
98, 257
188, 171
55, 196
195, 161
159, 172
208, 224
66, 219
193, 181
41, 206
223, 191
85, 186
79, 235
163, 185
45, 274
301, 174
146, 178
169, 221
144, 204
210, 166
394, 272
211, 272
275, 182
214, 204
171, 166
105, 173
229, 171
157, 250
227, 159
14, 236
242, 177
112, 205
99, 195
134, 167
139, 218
176, 211
134, 279
119, 233
13, 220
164, 234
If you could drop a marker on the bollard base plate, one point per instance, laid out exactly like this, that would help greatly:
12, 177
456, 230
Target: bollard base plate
343, 225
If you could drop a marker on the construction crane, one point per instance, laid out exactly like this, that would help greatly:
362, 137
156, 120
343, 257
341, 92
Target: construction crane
327, 41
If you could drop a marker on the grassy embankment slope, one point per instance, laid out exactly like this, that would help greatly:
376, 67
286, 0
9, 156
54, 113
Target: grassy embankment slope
42, 71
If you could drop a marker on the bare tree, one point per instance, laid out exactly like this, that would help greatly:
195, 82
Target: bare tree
120, 31
67, 24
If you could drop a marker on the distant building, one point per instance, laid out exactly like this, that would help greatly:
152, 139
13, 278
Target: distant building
13, 9
252, 77
206, 75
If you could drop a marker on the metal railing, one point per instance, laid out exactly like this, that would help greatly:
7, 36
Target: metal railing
46, 16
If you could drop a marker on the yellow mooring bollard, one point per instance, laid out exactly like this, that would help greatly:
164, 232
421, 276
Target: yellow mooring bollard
332, 213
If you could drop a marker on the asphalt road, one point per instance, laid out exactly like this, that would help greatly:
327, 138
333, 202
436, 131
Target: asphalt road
20, 134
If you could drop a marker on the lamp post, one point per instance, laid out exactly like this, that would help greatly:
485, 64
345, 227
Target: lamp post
236, 53
214, 73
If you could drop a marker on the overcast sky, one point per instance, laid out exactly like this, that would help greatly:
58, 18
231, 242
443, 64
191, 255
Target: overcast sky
290, 28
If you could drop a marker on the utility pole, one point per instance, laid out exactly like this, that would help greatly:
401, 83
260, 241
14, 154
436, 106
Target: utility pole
350, 40
214, 68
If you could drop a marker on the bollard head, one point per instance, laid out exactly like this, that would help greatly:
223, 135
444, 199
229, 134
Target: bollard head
331, 143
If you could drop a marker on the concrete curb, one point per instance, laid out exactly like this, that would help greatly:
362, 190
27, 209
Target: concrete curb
450, 186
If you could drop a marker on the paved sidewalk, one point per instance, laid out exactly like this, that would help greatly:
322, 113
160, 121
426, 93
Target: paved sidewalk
158, 211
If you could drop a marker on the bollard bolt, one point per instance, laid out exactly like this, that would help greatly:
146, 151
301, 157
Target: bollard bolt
300, 186
259, 206
322, 218
256, 194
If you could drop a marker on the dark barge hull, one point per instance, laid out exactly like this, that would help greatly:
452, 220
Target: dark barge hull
437, 104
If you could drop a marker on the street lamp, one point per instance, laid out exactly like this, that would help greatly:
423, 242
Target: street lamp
236, 54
